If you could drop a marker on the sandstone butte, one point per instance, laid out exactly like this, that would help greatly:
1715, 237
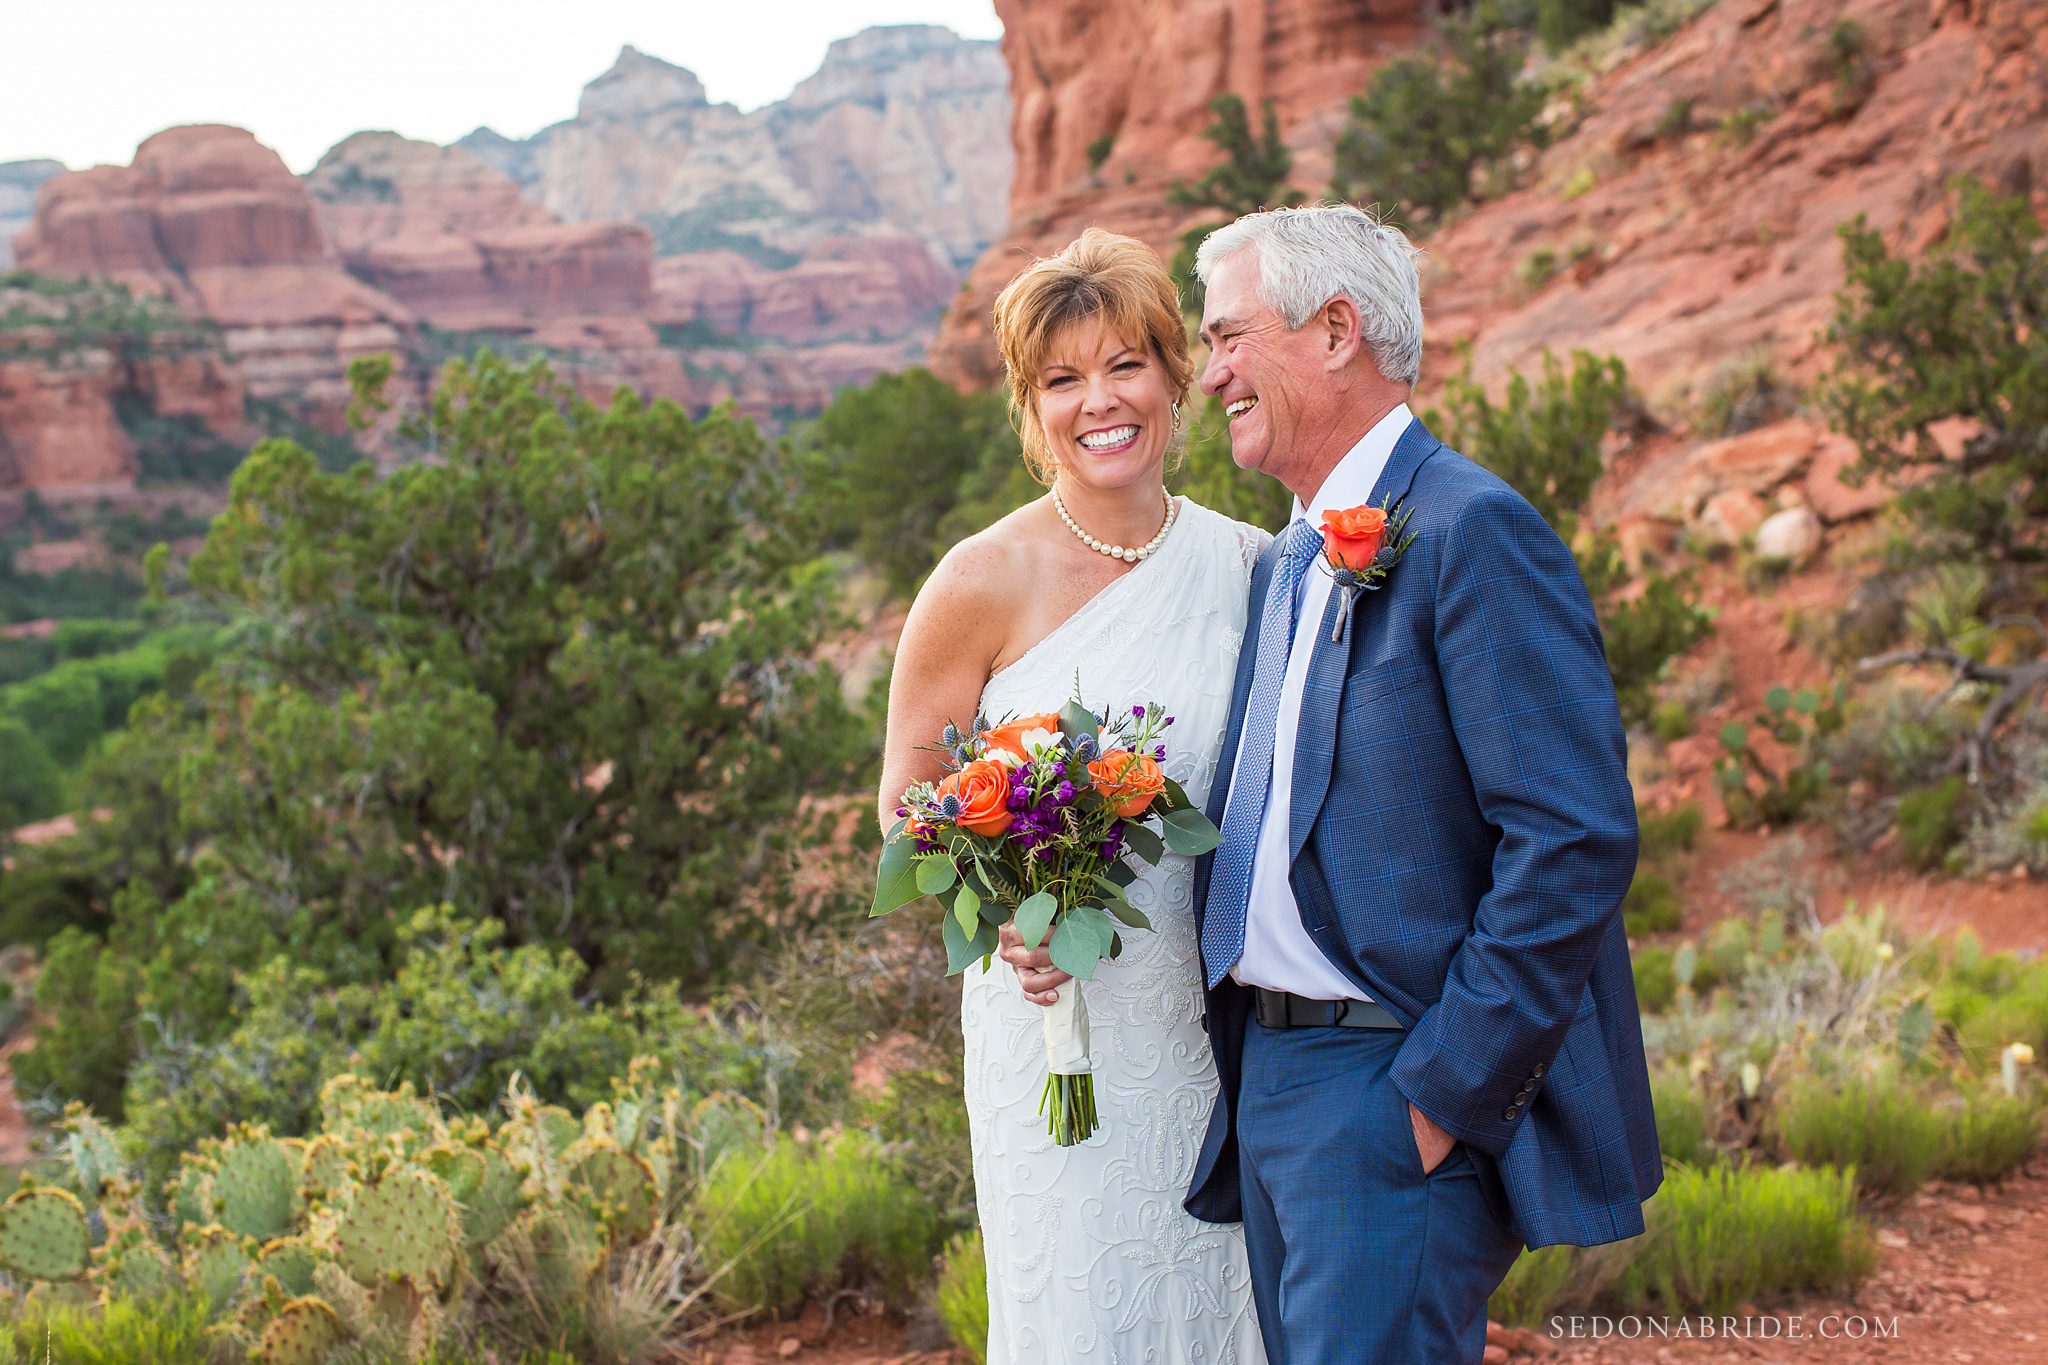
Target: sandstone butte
889, 168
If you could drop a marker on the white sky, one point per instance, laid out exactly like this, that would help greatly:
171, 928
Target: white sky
84, 81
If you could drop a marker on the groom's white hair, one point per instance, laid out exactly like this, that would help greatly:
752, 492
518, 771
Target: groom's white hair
1310, 255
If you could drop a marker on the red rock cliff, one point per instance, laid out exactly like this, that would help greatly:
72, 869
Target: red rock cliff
212, 220
1142, 77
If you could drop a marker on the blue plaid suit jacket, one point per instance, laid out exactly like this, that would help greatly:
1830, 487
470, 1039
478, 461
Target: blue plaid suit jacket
1463, 832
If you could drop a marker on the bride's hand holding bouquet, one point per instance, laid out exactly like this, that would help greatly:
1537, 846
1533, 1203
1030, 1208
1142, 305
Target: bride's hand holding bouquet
1036, 823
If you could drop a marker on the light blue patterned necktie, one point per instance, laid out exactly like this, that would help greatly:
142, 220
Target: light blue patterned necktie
1230, 880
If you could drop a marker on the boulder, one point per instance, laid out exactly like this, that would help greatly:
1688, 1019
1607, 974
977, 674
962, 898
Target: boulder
1792, 536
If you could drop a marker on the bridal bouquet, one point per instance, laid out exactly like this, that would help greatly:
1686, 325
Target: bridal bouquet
1038, 823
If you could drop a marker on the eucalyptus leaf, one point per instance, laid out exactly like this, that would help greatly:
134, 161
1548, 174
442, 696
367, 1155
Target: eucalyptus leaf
1075, 951
1189, 833
936, 874
1121, 908
1034, 915
1077, 720
1121, 873
1177, 796
967, 908
962, 949
895, 876
1140, 840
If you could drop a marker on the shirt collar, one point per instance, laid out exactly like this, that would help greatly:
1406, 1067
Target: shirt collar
1350, 483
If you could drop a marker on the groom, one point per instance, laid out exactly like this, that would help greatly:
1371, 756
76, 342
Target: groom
1419, 991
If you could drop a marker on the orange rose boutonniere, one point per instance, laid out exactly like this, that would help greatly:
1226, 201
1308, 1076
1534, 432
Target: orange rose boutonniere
1359, 545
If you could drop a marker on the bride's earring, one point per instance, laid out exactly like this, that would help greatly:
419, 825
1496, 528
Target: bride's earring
1177, 422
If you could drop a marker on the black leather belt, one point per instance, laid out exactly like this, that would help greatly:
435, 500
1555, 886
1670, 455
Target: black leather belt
1282, 1009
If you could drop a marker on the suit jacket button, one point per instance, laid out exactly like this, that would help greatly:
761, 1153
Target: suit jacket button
1538, 1069
1521, 1095
1510, 1112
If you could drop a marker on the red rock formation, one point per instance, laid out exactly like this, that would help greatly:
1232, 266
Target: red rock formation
18, 182
211, 219
1142, 76
1694, 250
845, 289
450, 238
72, 364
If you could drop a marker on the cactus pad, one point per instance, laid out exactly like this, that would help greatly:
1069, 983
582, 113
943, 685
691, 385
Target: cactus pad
255, 1189
90, 1149
291, 1262
404, 1224
44, 1235
621, 1185
304, 1332
215, 1265
326, 1172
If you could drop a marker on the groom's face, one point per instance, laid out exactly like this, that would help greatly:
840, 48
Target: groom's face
1267, 376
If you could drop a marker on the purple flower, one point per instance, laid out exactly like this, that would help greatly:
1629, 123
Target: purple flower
1138, 711
1064, 793
1159, 753
1169, 720
1113, 846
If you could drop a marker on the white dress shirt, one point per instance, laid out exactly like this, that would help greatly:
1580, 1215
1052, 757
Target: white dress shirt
1278, 953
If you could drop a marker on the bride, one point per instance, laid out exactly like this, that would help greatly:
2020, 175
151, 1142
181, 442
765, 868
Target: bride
1141, 597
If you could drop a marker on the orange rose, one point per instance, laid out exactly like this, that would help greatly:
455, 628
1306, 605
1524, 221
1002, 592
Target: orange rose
1129, 782
984, 792
1006, 743
1351, 538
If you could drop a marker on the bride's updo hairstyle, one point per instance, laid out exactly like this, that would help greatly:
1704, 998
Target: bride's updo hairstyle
1100, 275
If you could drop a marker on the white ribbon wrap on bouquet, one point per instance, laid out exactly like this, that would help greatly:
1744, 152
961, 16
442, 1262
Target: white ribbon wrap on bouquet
1065, 1022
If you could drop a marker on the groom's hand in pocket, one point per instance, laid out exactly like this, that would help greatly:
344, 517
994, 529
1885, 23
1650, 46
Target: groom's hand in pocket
1035, 973
1432, 1143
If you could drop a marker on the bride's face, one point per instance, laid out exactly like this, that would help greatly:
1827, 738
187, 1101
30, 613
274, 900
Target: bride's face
1106, 408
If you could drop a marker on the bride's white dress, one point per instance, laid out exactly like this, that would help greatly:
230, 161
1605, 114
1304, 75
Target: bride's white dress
1090, 1255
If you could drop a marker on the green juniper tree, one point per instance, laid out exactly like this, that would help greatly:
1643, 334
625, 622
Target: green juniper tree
560, 675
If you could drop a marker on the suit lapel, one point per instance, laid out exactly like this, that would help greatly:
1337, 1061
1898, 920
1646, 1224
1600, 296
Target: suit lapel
1322, 695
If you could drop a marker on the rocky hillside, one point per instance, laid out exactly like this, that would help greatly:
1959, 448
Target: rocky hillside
18, 181
902, 130
1687, 217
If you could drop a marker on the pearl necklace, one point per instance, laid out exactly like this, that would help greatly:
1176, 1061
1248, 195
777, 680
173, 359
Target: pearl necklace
1127, 554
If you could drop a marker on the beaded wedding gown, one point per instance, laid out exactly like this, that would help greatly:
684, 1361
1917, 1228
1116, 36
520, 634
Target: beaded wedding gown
1090, 1255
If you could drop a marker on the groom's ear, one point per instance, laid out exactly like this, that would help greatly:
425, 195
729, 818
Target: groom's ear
1343, 332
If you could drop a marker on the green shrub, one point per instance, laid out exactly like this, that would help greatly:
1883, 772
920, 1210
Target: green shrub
166, 1330
1537, 270
1538, 1284
1656, 981
1675, 831
1931, 820
1099, 150
1988, 1137
31, 787
1427, 127
1740, 126
2014, 1012
1681, 1118
806, 1220
1651, 905
1252, 176
461, 1016
1723, 1236
1752, 791
962, 1295
1886, 1131
1671, 721
1675, 121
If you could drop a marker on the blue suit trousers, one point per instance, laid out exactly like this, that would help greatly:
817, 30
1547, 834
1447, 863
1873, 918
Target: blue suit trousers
1357, 1256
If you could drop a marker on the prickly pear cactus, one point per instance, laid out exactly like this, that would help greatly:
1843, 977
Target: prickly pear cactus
483, 1182
217, 1264
304, 1332
568, 1242
402, 1224
44, 1235
290, 1261
130, 1265
621, 1187
89, 1150
350, 1102
326, 1172
255, 1186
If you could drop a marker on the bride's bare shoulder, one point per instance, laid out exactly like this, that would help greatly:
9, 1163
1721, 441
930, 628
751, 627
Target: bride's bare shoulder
980, 577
